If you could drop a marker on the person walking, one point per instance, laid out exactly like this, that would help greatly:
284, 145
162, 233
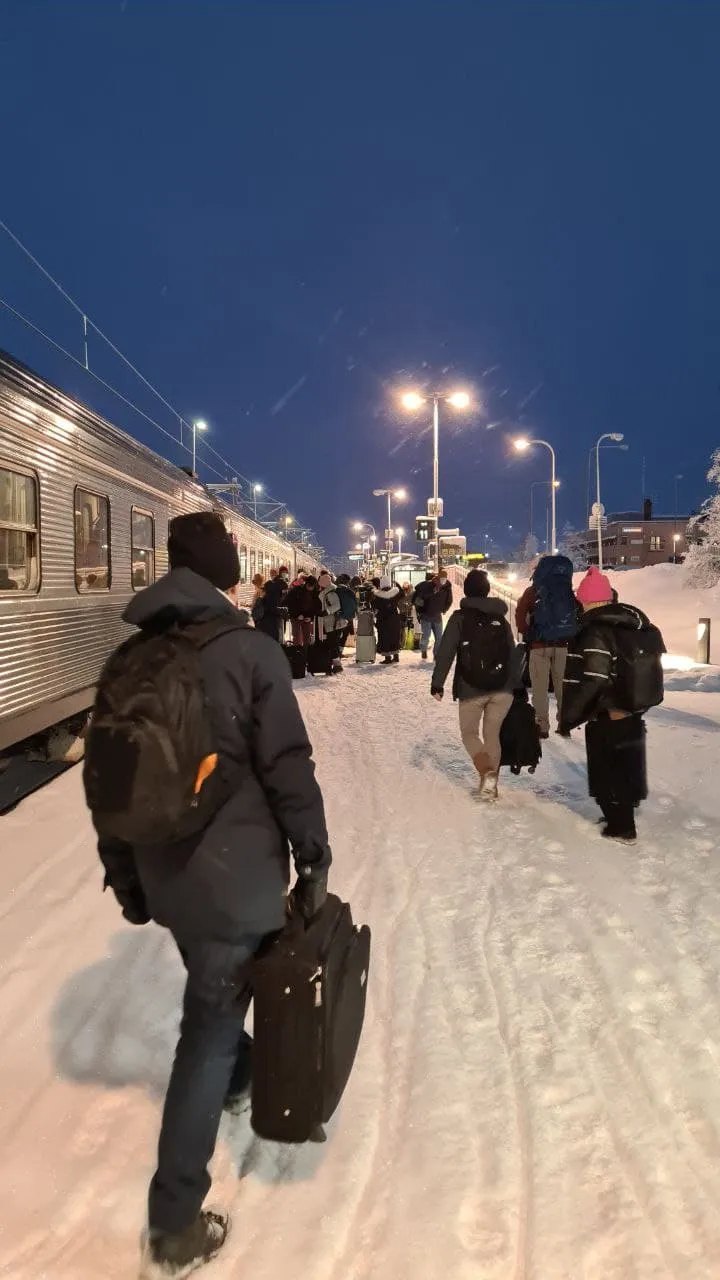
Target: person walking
546, 619
220, 891
433, 598
303, 605
613, 676
479, 640
386, 601
348, 604
272, 617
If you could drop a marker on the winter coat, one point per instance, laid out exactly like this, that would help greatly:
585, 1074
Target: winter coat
275, 593
406, 606
232, 879
588, 687
389, 622
450, 643
431, 601
302, 602
331, 616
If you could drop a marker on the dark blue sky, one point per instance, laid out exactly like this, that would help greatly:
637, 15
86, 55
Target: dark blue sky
284, 212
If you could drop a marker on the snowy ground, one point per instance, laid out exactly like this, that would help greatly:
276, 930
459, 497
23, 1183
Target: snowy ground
538, 1091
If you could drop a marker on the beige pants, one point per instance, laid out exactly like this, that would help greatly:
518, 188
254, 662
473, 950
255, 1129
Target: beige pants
480, 724
545, 662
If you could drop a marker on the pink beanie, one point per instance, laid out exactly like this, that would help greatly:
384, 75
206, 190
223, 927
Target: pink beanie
595, 588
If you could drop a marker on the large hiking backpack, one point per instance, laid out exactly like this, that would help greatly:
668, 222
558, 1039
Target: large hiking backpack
555, 614
485, 650
638, 682
152, 773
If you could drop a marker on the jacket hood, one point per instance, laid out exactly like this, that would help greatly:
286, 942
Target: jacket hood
386, 593
552, 567
485, 604
179, 596
616, 615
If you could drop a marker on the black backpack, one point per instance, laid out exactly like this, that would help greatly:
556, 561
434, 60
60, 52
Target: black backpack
638, 682
152, 774
485, 650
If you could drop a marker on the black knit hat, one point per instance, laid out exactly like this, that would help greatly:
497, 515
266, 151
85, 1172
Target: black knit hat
477, 583
202, 543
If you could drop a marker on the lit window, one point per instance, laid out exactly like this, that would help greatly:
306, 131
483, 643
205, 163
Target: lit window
19, 562
92, 542
656, 542
243, 558
142, 549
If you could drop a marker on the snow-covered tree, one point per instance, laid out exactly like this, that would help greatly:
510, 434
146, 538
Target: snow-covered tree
703, 557
574, 545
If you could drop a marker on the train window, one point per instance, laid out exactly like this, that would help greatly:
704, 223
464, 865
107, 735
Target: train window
19, 562
260, 562
142, 549
243, 558
92, 542
252, 564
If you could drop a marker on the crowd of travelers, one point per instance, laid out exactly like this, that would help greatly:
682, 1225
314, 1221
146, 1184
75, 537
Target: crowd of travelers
601, 658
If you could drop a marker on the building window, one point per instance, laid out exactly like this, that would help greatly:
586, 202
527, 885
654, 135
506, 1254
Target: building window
242, 557
92, 542
19, 561
142, 549
635, 559
656, 542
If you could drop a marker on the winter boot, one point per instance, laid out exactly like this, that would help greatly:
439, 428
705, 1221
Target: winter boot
179, 1256
396, 657
387, 660
423, 655
237, 1104
489, 788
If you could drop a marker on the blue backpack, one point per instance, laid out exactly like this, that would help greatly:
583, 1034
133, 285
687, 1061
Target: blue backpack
555, 614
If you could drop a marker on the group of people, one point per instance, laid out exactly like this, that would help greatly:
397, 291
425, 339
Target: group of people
602, 658
325, 608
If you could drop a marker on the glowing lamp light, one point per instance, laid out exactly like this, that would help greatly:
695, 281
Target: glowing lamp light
400, 495
411, 400
200, 425
522, 445
459, 400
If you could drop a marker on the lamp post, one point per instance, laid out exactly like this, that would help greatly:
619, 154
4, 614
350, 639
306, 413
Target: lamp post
400, 495
412, 401
200, 425
257, 488
360, 526
400, 535
617, 437
522, 445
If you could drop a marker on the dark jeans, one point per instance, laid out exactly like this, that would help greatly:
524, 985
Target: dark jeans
211, 1061
617, 768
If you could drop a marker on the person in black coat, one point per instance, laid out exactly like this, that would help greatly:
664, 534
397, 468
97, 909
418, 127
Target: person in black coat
222, 892
272, 614
303, 605
386, 603
613, 675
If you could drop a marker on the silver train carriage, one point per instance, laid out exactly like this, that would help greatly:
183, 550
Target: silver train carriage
84, 511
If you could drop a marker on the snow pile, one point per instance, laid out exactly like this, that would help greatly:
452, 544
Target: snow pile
538, 1088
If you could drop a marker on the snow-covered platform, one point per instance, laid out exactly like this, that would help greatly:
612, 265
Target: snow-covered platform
537, 1095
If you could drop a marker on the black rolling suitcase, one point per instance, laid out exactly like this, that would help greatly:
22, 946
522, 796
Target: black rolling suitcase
520, 736
322, 655
309, 989
296, 657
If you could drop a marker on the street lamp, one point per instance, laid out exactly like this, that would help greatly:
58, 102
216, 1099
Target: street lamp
412, 401
257, 488
400, 535
617, 438
400, 495
522, 445
200, 425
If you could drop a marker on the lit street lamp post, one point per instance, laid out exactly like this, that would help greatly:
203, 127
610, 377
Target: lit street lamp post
400, 495
257, 488
400, 535
197, 426
360, 526
617, 438
522, 445
413, 401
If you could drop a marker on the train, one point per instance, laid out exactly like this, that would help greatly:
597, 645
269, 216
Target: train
84, 512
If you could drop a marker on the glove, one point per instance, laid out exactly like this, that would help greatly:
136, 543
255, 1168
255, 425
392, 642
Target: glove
308, 897
437, 694
133, 905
